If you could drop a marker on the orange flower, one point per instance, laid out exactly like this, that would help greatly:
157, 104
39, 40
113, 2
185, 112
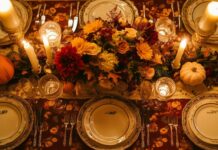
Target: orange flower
54, 139
48, 144
123, 47
163, 131
144, 51
164, 140
54, 130
158, 143
69, 107
147, 72
92, 26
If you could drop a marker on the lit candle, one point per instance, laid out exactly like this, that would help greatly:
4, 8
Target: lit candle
8, 16
32, 56
209, 19
182, 46
47, 49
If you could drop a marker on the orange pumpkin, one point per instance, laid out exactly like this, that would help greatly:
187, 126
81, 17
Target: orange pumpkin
6, 69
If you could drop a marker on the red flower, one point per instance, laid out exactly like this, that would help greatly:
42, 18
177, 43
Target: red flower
68, 62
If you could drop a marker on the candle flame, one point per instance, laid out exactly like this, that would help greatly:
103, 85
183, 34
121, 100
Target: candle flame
5, 5
213, 8
183, 43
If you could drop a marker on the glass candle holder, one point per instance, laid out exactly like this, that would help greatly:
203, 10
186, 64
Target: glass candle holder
52, 31
166, 29
50, 87
164, 88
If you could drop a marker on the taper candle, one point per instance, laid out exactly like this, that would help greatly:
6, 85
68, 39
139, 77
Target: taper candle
182, 46
8, 16
32, 56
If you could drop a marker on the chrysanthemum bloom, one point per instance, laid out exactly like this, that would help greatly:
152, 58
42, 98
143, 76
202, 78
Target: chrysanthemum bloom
93, 26
91, 49
107, 61
68, 62
144, 51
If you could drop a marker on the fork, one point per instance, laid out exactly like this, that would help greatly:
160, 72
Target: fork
70, 20
170, 123
73, 117
175, 125
179, 13
66, 123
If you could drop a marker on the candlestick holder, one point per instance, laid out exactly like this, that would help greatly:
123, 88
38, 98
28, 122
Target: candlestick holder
200, 36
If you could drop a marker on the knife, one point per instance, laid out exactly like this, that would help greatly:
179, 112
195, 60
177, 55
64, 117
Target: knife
76, 18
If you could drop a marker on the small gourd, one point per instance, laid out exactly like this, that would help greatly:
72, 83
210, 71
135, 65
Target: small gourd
6, 69
192, 73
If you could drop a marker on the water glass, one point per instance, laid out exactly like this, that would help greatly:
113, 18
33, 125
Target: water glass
164, 88
52, 31
50, 86
166, 29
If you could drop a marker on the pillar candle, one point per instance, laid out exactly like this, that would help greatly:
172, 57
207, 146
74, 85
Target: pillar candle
47, 50
8, 16
32, 56
209, 19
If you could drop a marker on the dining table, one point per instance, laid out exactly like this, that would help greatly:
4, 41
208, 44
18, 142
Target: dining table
157, 112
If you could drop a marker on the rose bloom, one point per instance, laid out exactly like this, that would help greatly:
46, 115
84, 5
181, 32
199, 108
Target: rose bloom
91, 49
144, 51
140, 23
131, 33
107, 61
78, 43
123, 47
117, 36
92, 26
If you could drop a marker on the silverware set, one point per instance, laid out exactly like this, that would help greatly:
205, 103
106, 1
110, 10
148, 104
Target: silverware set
69, 120
173, 124
179, 13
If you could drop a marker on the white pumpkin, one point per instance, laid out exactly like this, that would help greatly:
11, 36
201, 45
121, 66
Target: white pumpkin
192, 73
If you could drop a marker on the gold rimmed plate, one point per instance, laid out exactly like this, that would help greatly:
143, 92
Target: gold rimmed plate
93, 9
24, 11
16, 117
108, 123
199, 120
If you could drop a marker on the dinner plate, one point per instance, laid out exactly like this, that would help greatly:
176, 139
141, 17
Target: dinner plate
193, 9
199, 121
108, 123
16, 117
25, 11
93, 9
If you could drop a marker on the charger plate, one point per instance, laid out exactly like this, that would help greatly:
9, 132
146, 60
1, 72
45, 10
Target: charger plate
24, 11
108, 123
193, 9
16, 117
93, 9
200, 119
